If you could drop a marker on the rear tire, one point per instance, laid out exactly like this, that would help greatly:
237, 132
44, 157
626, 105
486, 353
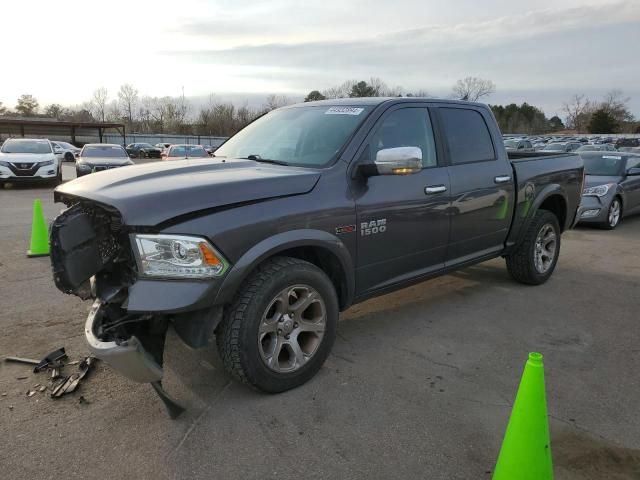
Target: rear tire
535, 259
281, 326
68, 157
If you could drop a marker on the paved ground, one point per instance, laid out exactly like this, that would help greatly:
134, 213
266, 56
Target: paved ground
420, 383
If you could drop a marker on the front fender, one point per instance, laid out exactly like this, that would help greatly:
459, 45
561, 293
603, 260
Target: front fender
279, 243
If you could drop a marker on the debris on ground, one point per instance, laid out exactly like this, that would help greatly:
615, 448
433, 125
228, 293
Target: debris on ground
29, 361
59, 384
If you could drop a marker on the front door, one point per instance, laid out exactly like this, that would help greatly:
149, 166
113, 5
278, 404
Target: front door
403, 226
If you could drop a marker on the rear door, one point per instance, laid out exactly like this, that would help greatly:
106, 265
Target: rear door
481, 176
403, 227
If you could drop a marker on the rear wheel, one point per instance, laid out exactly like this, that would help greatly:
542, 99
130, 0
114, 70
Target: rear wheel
68, 157
281, 326
535, 259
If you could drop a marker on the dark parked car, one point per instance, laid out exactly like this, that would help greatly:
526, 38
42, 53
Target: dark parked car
628, 142
612, 188
308, 210
95, 157
143, 150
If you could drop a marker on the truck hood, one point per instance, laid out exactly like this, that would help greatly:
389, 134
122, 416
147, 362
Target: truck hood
149, 194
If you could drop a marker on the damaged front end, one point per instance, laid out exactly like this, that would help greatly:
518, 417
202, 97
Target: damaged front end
91, 258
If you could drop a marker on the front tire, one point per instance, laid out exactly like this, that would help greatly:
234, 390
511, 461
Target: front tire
614, 214
281, 326
535, 259
58, 179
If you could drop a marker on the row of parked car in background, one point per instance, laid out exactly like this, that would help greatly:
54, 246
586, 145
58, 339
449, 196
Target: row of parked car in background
563, 144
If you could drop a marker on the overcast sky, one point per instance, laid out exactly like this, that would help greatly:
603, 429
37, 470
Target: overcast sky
540, 52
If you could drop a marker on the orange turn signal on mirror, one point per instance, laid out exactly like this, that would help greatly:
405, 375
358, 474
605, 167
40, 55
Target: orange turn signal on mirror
403, 171
209, 256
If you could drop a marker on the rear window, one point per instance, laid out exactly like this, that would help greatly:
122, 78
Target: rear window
467, 136
187, 151
26, 146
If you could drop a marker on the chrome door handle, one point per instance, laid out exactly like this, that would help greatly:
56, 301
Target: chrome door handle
502, 179
430, 190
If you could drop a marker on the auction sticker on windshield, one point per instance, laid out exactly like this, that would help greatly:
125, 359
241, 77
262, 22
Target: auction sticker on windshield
344, 111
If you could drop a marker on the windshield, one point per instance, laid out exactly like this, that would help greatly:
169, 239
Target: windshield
511, 143
605, 165
187, 151
304, 136
104, 151
554, 146
26, 146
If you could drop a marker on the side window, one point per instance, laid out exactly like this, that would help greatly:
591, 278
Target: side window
407, 127
467, 136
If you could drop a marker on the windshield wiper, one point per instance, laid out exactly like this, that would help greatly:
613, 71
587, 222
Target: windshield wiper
258, 158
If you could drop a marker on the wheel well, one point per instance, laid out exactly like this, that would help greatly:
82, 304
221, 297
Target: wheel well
557, 205
328, 263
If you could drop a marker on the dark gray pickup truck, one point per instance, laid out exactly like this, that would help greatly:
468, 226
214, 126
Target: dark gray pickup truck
308, 210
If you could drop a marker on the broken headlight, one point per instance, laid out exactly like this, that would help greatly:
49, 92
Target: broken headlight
177, 256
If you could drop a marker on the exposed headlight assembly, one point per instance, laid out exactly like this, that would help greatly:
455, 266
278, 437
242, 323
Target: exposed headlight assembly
177, 256
598, 191
84, 166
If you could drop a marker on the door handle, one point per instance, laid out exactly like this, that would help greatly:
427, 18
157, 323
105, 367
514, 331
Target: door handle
502, 179
430, 190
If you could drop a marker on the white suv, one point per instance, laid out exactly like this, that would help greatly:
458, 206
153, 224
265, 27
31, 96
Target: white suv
25, 159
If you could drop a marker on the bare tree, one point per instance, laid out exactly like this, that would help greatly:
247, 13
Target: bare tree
578, 112
615, 104
98, 103
418, 93
27, 105
128, 99
340, 91
275, 101
473, 88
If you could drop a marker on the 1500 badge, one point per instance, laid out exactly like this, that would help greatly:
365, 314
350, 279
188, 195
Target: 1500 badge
372, 227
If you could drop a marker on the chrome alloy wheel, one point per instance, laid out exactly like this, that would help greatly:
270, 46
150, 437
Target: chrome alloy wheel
291, 328
545, 248
614, 213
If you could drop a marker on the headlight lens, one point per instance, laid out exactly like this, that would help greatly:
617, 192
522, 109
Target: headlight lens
84, 166
178, 256
45, 163
598, 191
4, 164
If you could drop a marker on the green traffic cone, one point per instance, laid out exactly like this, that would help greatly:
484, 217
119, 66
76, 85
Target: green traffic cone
526, 449
39, 233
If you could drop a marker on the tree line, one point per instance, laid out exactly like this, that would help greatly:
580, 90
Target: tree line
176, 115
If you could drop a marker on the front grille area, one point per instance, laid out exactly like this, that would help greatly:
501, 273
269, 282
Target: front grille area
23, 169
88, 240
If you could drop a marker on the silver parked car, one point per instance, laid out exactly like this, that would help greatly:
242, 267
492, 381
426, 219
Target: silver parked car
612, 188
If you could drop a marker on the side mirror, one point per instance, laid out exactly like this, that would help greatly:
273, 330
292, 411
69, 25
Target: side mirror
396, 161
633, 172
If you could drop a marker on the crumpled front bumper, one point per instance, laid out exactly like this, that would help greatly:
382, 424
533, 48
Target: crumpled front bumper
128, 357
